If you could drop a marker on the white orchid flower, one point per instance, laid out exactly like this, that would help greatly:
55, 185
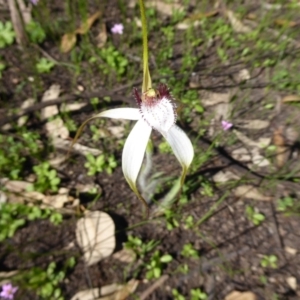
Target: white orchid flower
156, 111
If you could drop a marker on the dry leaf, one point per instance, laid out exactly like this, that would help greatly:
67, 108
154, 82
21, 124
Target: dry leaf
290, 250
209, 99
15, 190
194, 20
243, 75
8, 274
138, 22
241, 154
95, 234
251, 16
33, 196
87, 187
59, 200
27, 103
116, 131
125, 255
200, 15
224, 176
244, 155
271, 6
56, 128
185, 24
254, 124
250, 192
292, 282
15, 186
286, 23
124, 291
95, 293
68, 41
236, 24
282, 149
57, 161
102, 36
282, 155
235, 295
165, 8
222, 111
3, 197
59, 143
261, 143
291, 135
84, 28
258, 159
5, 277
278, 137
131, 3
51, 94
291, 98
109, 292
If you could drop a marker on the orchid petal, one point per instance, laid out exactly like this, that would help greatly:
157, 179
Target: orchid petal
125, 113
133, 154
181, 146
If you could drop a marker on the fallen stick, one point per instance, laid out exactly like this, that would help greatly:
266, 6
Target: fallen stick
153, 287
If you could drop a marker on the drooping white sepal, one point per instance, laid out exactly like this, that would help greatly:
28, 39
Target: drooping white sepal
181, 145
134, 151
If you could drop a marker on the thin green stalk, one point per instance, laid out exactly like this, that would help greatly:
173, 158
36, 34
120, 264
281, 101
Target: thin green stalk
147, 84
212, 210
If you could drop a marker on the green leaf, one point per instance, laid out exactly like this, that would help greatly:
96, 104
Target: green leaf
35, 32
57, 293
166, 258
47, 290
156, 272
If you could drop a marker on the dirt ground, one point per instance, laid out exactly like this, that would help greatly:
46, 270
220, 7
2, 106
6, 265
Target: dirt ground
230, 247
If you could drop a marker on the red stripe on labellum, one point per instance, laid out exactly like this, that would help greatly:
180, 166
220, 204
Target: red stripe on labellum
137, 97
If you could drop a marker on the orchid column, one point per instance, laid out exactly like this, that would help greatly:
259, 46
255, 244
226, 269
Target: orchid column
156, 110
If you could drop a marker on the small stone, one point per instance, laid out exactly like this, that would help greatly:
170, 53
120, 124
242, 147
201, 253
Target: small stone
290, 250
80, 88
292, 282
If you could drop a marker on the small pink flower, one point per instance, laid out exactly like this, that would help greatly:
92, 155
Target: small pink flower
226, 125
34, 2
8, 291
117, 29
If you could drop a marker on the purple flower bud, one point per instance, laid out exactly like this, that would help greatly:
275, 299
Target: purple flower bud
117, 29
226, 125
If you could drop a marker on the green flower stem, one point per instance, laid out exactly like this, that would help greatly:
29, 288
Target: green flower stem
147, 84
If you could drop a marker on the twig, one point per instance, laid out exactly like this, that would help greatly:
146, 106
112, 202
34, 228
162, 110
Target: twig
24, 11
243, 169
153, 287
278, 238
17, 23
68, 98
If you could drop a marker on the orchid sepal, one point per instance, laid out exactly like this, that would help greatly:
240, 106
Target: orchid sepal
133, 155
182, 148
126, 113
